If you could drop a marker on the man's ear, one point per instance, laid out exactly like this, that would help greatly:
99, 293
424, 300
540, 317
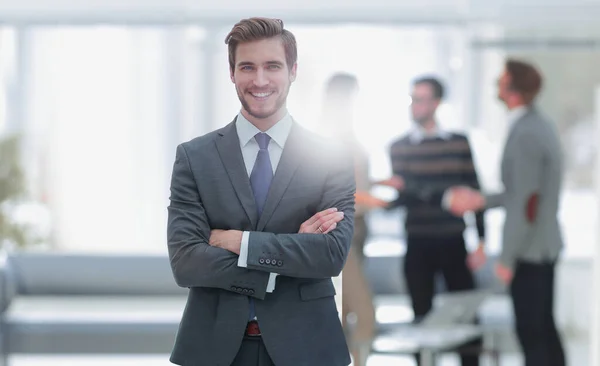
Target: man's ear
231, 75
293, 72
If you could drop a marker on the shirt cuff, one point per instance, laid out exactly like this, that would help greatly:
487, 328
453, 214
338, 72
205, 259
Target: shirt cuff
243, 258
447, 199
271, 283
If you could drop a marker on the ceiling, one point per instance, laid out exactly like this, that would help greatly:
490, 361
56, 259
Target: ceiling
513, 13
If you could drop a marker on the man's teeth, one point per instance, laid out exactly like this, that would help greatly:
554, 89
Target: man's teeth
261, 95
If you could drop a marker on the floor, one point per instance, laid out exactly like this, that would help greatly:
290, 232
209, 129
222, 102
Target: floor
390, 309
578, 355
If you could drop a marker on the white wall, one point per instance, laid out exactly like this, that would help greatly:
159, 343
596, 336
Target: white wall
98, 127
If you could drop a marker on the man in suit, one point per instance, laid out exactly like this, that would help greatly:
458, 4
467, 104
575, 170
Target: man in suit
532, 176
260, 219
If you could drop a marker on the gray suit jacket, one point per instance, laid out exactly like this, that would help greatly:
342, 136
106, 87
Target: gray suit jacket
532, 175
210, 189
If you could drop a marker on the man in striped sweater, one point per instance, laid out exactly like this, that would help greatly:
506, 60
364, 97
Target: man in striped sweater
431, 160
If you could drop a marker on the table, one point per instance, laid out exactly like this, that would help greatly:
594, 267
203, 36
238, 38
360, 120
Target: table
427, 341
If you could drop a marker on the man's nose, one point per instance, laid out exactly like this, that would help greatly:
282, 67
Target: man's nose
261, 79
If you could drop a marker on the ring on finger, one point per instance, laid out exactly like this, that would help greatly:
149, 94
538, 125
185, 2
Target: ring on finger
320, 230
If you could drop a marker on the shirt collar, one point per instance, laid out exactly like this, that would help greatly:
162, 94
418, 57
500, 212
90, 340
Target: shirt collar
278, 133
515, 114
418, 134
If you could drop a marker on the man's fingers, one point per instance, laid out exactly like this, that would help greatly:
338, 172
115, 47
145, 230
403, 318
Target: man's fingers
331, 228
214, 235
326, 221
330, 224
475, 262
323, 222
319, 215
471, 263
397, 182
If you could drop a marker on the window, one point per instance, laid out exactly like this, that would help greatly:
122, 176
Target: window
7, 72
108, 106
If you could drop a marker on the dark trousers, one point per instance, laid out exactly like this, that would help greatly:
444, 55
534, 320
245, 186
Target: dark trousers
532, 291
252, 352
427, 257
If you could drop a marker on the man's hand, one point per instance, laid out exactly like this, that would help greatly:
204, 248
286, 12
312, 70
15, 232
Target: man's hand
464, 199
395, 181
370, 201
230, 240
378, 203
477, 258
504, 274
322, 222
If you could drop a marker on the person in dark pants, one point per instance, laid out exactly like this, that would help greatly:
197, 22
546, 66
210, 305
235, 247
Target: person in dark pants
532, 170
431, 160
260, 219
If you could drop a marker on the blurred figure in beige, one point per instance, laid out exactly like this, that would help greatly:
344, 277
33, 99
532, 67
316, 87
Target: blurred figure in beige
357, 299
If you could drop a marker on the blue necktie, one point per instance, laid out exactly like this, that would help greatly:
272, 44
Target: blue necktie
260, 180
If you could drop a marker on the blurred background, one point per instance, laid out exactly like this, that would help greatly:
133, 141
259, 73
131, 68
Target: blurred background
95, 96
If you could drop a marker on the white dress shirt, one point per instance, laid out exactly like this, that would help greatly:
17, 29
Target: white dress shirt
246, 132
418, 134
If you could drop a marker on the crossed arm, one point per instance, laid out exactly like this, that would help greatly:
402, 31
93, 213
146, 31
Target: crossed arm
197, 263
304, 254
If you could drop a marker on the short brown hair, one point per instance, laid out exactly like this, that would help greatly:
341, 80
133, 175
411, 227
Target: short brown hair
525, 79
434, 83
257, 29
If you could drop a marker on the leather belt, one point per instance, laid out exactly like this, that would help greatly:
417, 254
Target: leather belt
252, 329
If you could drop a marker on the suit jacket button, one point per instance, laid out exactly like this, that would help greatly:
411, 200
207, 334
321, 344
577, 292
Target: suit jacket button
280, 263
268, 261
251, 292
261, 261
245, 291
233, 288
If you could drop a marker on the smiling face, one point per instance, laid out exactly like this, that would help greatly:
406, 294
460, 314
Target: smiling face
262, 80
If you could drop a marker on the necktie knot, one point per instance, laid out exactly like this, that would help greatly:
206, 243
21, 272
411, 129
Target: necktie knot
263, 140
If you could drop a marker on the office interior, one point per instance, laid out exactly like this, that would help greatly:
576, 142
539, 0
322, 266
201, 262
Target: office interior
100, 93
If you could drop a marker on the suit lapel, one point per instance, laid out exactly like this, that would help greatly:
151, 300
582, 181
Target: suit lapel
228, 146
288, 164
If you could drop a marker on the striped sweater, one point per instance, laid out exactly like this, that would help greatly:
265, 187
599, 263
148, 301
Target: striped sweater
429, 167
